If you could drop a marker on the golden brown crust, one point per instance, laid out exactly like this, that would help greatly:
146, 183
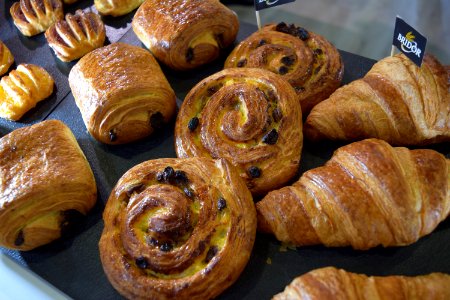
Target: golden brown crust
185, 233
6, 58
367, 194
22, 89
311, 64
395, 101
252, 118
116, 8
122, 93
338, 284
77, 35
44, 175
34, 16
185, 34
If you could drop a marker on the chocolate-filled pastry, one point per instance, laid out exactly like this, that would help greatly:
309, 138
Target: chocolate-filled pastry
338, 284
252, 118
396, 101
177, 228
6, 58
116, 8
185, 34
311, 64
77, 35
122, 93
22, 89
368, 194
46, 182
35, 16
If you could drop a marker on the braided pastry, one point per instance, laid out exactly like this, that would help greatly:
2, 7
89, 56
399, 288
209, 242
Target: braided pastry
185, 34
367, 194
77, 35
35, 16
6, 58
116, 8
177, 228
310, 63
46, 182
22, 89
249, 116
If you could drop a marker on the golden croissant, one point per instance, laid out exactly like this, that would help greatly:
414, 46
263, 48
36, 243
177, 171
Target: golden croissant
367, 194
77, 35
35, 16
338, 284
22, 89
6, 58
395, 101
116, 8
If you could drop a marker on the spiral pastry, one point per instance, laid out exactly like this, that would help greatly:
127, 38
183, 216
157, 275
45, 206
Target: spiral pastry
185, 34
177, 228
310, 63
251, 117
116, 8
6, 58
35, 16
46, 184
77, 35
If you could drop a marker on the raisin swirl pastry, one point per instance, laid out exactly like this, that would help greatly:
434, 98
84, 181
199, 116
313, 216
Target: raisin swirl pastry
116, 8
6, 58
122, 93
177, 228
35, 16
250, 117
185, 34
46, 183
77, 35
311, 64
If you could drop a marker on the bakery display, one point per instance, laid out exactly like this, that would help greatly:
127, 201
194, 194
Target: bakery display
185, 34
45, 179
177, 228
311, 64
368, 194
6, 58
116, 8
333, 283
78, 34
248, 116
122, 93
22, 89
395, 101
32, 17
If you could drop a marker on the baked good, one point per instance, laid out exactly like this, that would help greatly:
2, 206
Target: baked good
395, 101
332, 283
32, 17
251, 117
69, 1
6, 58
122, 93
185, 34
116, 8
311, 64
368, 194
177, 228
22, 89
46, 181
77, 35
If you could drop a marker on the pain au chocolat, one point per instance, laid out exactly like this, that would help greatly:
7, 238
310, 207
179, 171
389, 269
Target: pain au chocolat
6, 58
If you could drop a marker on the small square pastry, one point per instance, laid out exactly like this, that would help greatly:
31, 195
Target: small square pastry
6, 58
45, 179
116, 8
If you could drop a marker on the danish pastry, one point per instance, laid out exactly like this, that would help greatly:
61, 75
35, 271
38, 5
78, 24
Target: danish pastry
116, 8
177, 228
6, 58
45, 179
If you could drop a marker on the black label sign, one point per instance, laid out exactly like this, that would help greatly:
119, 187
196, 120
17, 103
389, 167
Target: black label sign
263, 4
409, 41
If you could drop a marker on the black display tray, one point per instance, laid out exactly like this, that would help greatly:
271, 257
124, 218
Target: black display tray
72, 264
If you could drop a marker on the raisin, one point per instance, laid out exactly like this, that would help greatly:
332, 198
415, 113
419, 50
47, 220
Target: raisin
166, 247
262, 42
221, 204
254, 172
283, 70
317, 51
112, 135
241, 63
277, 114
141, 262
288, 60
193, 123
152, 242
180, 176
211, 253
302, 33
168, 174
271, 137
188, 192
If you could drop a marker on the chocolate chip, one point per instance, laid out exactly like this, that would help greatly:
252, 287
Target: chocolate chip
254, 172
271, 137
211, 253
168, 174
20, 239
141, 262
166, 247
262, 42
135, 189
180, 176
112, 135
242, 63
277, 114
188, 192
283, 70
193, 123
189, 54
157, 120
221, 204
288, 60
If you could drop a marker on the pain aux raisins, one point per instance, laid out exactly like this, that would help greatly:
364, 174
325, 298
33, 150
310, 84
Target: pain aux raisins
221, 204
271, 137
193, 123
157, 120
254, 172
141, 263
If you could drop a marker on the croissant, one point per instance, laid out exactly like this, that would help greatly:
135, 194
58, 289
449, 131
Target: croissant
6, 58
177, 228
77, 35
122, 93
332, 283
22, 89
367, 194
35, 16
395, 101
185, 34
252, 118
311, 64
46, 183
116, 8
